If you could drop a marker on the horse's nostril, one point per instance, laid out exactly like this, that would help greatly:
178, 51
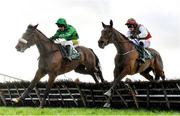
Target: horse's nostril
17, 47
100, 42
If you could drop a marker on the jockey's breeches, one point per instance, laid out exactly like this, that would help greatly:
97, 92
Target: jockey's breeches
146, 42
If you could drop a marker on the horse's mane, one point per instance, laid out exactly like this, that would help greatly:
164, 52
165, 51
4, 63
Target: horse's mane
42, 33
116, 31
121, 34
124, 36
46, 38
30, 26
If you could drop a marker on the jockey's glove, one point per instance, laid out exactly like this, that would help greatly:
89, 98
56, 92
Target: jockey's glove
53, 38
132, 37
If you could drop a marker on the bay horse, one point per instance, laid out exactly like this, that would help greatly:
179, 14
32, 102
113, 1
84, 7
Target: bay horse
52, 63
126, 62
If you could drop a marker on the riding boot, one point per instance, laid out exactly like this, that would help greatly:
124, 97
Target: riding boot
63, 51
75, 54
69, 52
142, 54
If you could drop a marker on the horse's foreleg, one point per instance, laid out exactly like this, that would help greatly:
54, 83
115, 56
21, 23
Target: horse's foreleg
38, 76
122, 74
117, 71
48, 87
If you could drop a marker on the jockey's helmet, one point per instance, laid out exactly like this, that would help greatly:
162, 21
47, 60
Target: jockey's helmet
61, 22
131, 21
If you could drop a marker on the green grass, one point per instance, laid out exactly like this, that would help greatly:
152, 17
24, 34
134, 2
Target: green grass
81, 111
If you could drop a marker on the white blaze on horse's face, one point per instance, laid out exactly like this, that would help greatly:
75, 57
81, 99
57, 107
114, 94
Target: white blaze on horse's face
27, 39
22, 45
23, 40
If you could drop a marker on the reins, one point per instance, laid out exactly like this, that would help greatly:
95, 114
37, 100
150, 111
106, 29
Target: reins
128, 41
46, 41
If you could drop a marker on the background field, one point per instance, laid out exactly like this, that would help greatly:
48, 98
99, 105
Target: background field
81, 111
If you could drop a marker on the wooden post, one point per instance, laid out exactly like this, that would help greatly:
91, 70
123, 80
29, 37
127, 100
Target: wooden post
121, 98
28, 95
92, 95
165, 95
70, 94
147, 102
133, 94
3, 99
60, 95
82, 96
38, 94
9, 92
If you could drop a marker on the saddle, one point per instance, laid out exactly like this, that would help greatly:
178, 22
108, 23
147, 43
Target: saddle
72, 54
75, 54
144, 52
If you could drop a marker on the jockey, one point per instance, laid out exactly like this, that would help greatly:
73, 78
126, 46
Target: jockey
139, 35
67, 36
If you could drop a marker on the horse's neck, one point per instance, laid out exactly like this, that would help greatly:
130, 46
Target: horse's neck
121, 43
44, 45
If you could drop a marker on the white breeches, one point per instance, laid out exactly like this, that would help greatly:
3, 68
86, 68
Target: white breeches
146, 43
63, 42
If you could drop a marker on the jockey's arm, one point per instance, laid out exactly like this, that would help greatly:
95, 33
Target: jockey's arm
55, 36
143, 33
70, 31
128, 35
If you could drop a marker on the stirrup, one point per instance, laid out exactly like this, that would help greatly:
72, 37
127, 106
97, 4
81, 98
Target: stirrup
142, 60
68, 58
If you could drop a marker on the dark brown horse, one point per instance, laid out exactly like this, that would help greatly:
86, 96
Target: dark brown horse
126, 62
52, 63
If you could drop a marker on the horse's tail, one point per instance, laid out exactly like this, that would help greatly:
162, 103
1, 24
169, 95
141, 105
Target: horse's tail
98, 66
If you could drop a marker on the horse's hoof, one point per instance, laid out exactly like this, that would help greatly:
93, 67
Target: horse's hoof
16, 100
107, 105
41, 106
108, 93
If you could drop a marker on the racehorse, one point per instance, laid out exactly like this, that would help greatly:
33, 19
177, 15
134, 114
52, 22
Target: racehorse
126, 62
52, 63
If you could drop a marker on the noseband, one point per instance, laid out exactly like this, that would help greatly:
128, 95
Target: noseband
22, 40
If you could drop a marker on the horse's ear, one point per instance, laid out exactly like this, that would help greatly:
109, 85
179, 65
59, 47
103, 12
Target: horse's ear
36, 26
103, 25
111, 23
